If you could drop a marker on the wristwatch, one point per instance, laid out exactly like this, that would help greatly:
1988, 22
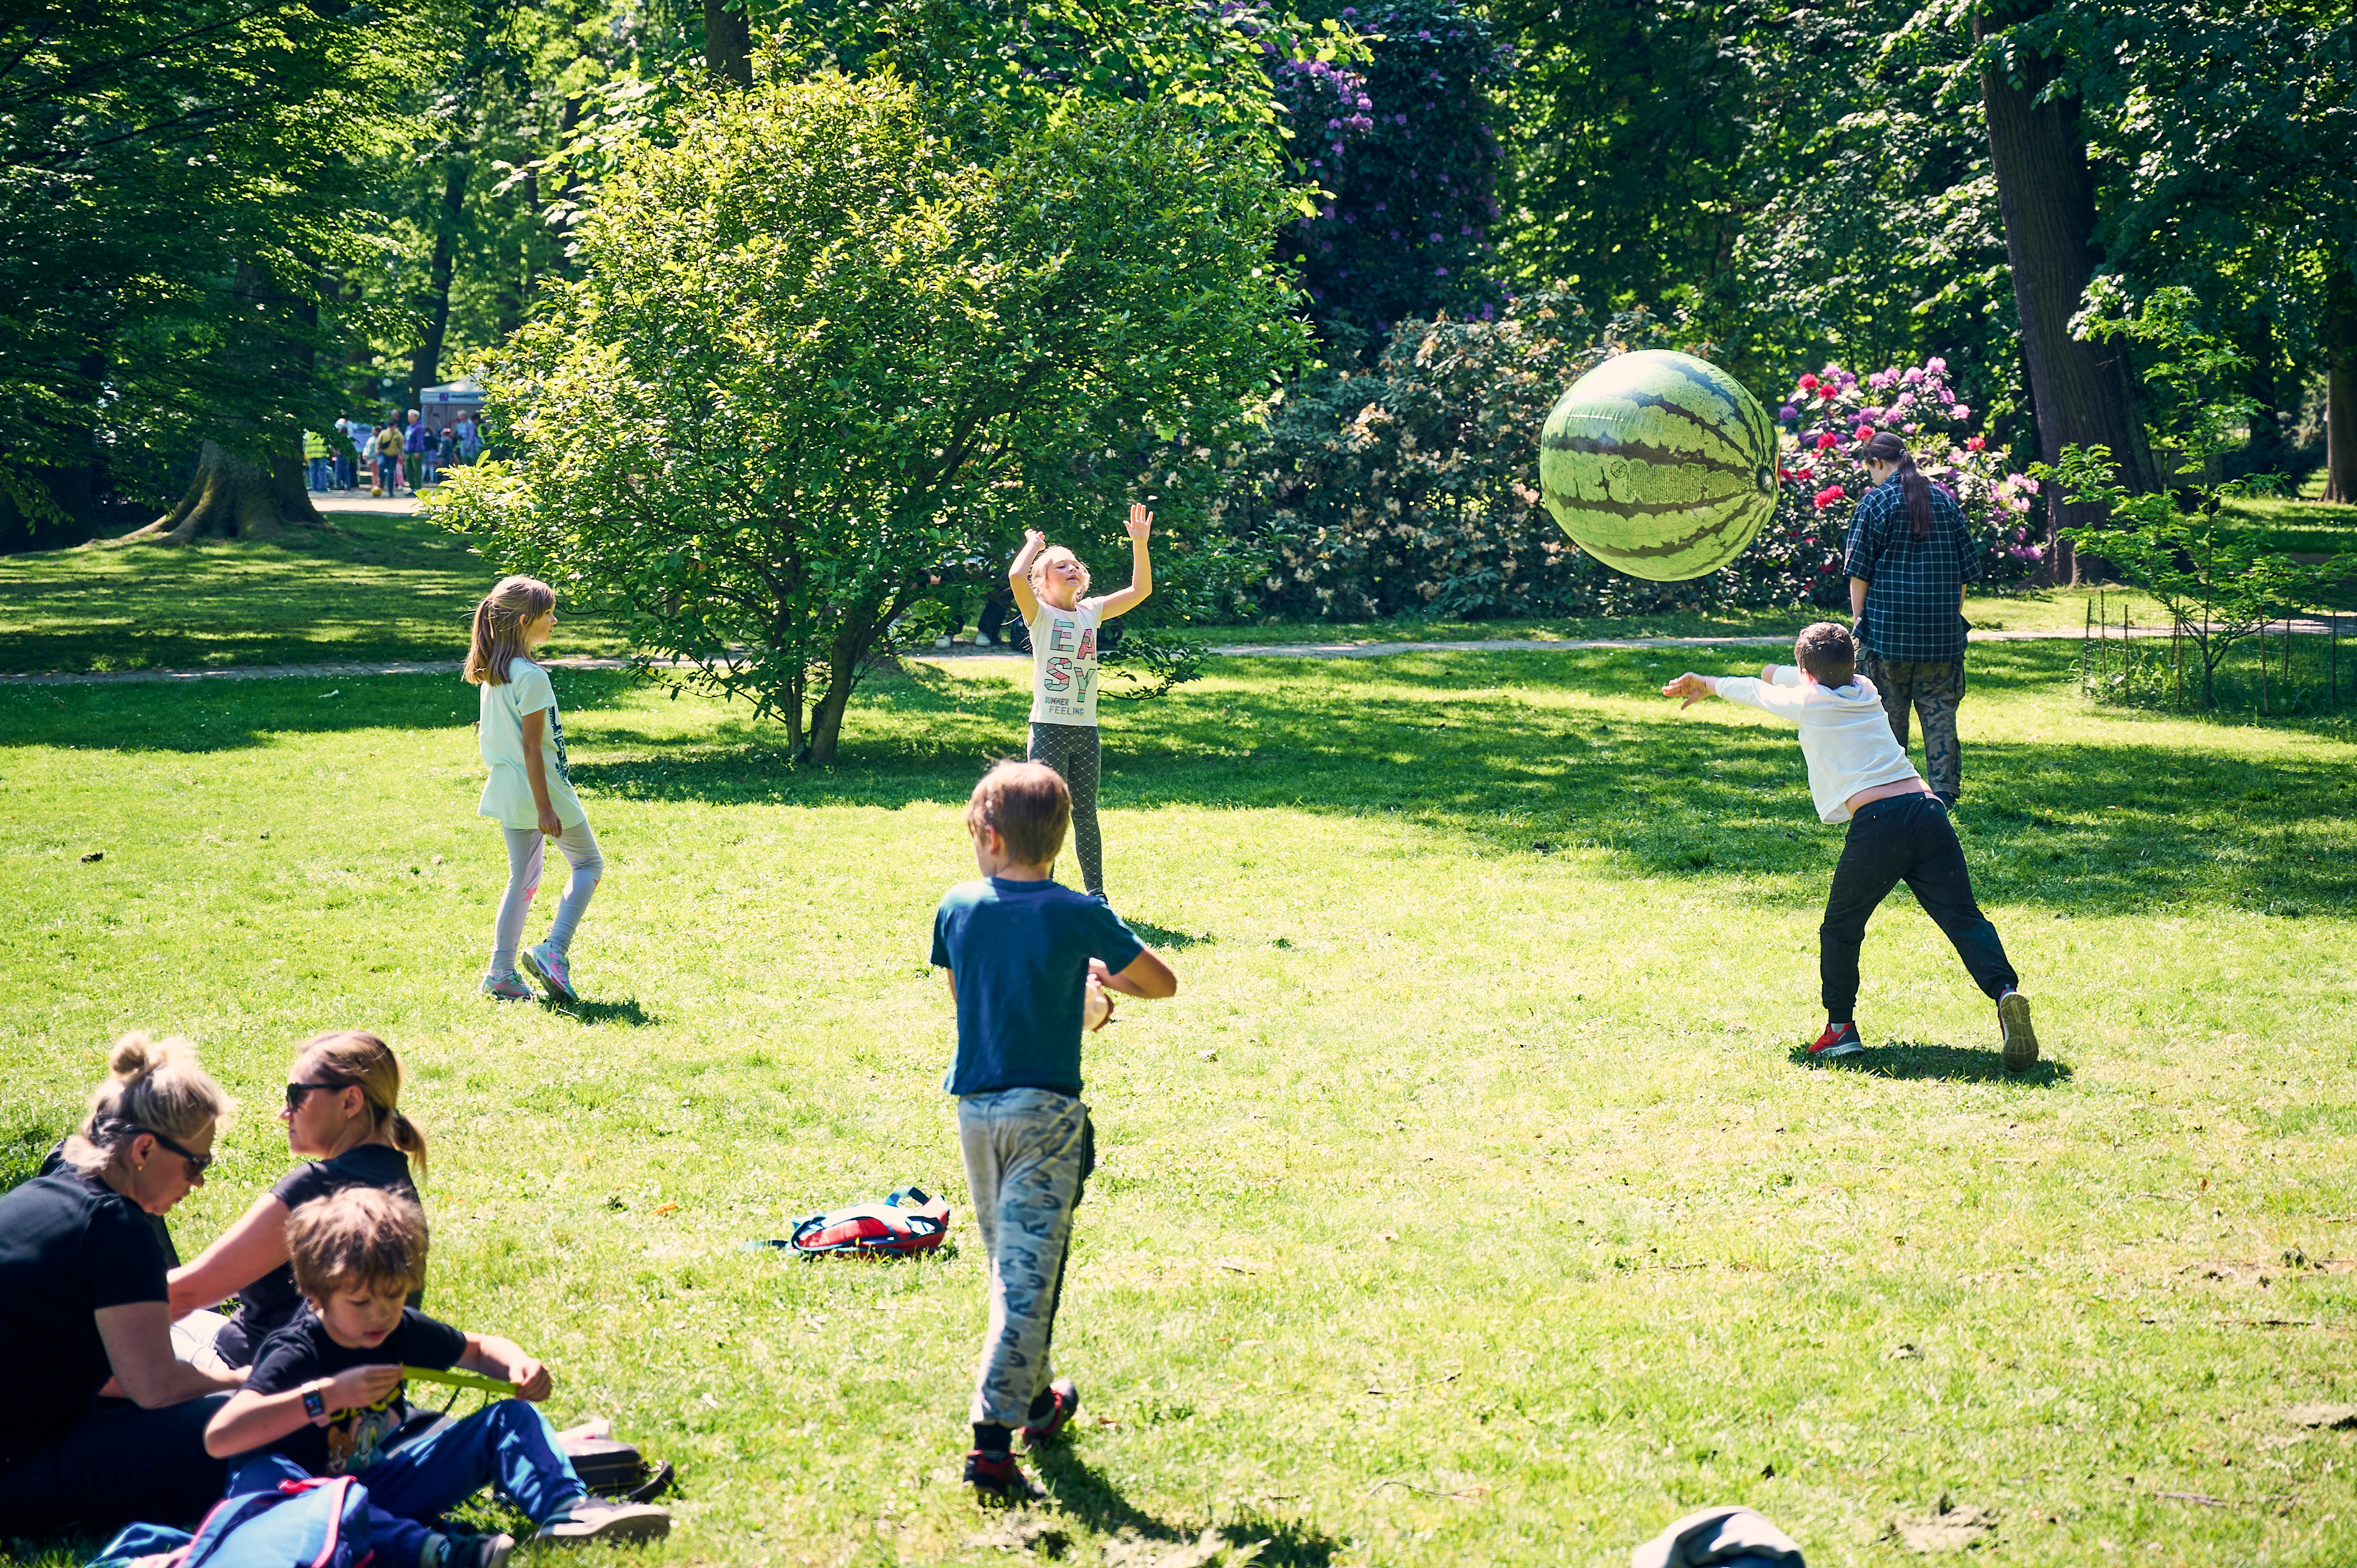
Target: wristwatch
315, 1406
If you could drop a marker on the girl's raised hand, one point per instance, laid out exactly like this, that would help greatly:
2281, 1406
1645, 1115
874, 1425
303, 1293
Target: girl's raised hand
1033, 542
1140, 523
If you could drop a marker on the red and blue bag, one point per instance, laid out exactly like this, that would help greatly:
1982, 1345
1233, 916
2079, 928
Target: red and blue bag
321, 1523
906, 1223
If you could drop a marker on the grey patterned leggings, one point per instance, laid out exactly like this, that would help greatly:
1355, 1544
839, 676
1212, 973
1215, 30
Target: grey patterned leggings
1072, 750
1027, 1153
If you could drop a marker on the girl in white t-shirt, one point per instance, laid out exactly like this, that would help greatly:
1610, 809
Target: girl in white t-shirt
528, 791
1047, 580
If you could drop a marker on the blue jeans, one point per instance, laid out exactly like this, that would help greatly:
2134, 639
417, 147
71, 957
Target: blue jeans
509, 1445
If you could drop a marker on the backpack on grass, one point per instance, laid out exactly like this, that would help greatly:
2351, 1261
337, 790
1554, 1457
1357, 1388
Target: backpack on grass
905, 1223
321, 1523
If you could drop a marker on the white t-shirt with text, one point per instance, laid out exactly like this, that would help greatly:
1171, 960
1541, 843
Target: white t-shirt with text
1065, 663
506, 793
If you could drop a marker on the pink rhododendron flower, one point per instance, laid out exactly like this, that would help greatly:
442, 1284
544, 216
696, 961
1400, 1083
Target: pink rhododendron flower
1960, 412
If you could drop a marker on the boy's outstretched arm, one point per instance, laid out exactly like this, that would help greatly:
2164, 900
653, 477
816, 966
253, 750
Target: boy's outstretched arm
1141, 568
1693, 688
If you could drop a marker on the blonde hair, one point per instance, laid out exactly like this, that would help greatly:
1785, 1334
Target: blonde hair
154, 1086
362, 1235
1037, 573
353, 1059
1029, 805
514, 604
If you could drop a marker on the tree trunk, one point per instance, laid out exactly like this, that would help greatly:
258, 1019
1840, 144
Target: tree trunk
426, 368
727, 43
233, 498
2340, 389
2083, 392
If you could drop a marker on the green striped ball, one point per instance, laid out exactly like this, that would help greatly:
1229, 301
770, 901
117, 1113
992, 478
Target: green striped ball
1659, 465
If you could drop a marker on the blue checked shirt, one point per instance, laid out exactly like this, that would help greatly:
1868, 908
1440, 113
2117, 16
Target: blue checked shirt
1913, 608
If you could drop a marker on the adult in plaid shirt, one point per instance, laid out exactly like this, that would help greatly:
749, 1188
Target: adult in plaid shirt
1908, 560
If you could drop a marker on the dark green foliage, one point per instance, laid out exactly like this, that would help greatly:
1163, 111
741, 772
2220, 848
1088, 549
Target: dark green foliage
178, 197
1404, 146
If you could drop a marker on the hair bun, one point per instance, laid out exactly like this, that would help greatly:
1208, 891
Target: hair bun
137, 1056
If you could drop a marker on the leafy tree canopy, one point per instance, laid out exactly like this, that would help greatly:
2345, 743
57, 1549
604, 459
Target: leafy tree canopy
817, 351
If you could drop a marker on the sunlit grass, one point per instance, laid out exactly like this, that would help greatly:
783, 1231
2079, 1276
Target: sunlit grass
1469, 1204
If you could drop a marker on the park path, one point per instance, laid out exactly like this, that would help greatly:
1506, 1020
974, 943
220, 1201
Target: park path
963, 654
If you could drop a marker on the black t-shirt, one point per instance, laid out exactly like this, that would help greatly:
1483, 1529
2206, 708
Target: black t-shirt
353, 1439
271, 1301
69, 1246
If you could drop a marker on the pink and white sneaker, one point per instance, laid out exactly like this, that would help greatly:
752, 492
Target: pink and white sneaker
545, 964
508, 987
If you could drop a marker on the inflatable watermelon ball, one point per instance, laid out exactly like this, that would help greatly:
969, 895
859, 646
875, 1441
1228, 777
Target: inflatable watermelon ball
1659, 465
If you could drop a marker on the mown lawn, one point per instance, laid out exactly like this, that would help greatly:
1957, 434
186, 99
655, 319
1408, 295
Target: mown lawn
1469, 1204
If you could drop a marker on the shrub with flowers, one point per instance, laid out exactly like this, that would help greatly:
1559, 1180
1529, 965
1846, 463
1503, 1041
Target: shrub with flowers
1403, 144
1412, 491
1831, 410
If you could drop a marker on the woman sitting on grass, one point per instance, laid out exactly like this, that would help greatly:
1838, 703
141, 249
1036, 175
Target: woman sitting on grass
82, 1310
342, 1116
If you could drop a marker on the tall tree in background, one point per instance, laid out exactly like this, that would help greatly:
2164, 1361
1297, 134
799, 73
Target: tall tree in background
179, 192
2084, 392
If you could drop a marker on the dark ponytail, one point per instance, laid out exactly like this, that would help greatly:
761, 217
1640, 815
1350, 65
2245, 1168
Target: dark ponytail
1887, 448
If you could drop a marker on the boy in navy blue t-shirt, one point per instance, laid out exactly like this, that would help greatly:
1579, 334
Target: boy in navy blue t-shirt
1030, 963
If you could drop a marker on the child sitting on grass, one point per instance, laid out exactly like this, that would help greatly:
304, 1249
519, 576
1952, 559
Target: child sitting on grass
1028, 961
325, 1398
1899, 830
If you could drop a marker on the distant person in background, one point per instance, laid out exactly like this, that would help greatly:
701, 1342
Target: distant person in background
315, 459
388, 461
413, 446
347, 460
446, 449
470, 438
1908, 560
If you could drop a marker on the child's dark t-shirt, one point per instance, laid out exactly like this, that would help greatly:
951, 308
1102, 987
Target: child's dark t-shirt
353, 1439
1019, 952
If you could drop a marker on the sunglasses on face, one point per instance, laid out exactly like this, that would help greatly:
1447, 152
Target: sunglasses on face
197, 1162
296, 1091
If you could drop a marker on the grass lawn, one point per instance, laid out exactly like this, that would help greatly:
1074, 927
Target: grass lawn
1469, 1204
378, 588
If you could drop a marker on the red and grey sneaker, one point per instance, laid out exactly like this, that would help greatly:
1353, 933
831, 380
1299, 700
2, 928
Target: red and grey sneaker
1838, 1040
999, 1478
1064, 1396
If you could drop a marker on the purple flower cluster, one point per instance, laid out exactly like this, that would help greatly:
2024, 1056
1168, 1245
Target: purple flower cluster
1831, 410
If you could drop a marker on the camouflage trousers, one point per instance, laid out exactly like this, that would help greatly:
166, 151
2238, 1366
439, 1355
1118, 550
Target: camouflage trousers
1027, 1153
1931, 687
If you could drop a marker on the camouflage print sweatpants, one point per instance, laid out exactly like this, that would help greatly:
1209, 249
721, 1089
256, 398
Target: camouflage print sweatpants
1932, 687
1027, 1153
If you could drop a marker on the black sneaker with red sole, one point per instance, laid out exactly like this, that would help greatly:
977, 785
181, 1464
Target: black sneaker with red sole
1838, 1040
1065, 1396
999, 1477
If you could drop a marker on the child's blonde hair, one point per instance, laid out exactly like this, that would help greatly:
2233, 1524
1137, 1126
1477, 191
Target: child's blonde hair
1038, 571
361, 1236
514, 604
153, 1086
355, 1059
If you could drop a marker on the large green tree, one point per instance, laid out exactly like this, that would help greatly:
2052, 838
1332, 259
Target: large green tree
179, 192
817, 348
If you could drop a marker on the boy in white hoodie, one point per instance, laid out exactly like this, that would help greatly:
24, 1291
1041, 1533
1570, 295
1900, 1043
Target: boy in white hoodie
1899, 830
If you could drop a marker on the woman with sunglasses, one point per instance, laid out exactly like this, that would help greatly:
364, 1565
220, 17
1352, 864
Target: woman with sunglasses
342, 1117
83, 1312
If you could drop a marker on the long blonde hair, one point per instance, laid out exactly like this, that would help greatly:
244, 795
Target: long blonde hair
153, 1086
514, 604
353, 1059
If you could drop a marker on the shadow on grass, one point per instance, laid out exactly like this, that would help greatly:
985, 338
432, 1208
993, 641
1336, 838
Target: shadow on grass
1083, 1493
1938, 1063
2111, 818
1163, 937
626, 1013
